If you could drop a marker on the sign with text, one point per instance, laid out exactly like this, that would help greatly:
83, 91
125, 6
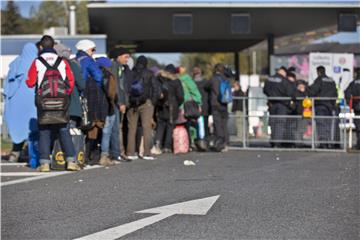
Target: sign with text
339, 66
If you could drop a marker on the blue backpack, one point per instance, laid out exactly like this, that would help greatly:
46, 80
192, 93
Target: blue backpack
137, 88
137, 92
225, 94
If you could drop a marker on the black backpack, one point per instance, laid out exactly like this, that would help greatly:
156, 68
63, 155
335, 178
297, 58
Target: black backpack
137, 94
52, 100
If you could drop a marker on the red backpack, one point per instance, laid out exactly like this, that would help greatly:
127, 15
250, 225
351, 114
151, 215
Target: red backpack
52, 100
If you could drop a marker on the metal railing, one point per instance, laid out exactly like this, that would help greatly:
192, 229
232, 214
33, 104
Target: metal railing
261, 127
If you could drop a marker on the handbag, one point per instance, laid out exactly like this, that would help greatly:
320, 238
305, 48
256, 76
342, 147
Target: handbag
191, 109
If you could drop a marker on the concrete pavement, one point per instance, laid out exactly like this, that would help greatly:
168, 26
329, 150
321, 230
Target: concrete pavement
263, 195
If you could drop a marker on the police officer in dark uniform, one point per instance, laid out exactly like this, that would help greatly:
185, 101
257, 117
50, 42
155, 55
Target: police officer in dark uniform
278, 86
353, 90
323, 87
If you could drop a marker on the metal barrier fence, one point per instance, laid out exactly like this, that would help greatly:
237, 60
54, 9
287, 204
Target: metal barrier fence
267, 127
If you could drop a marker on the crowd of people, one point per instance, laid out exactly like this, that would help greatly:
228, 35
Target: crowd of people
286, 96
122, 113
100, 110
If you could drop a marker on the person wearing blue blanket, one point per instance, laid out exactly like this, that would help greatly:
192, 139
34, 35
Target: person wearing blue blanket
20, 111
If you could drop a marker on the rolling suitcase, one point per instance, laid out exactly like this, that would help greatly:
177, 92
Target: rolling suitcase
180, 140
58, 160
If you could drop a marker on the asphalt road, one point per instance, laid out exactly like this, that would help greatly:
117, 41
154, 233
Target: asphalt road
263, 195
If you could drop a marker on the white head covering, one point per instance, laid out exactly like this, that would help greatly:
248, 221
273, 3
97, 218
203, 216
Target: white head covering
130, 63
85, 45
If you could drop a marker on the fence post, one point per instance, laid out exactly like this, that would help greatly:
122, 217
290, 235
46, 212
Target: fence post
244, 122
312, 124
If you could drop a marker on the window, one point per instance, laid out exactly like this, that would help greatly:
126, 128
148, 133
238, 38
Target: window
347, 22
182, 24
240, 23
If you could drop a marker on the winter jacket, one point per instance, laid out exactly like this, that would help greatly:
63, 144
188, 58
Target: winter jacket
110, 89
324, 86
124, 78
214, 87
75, 109
89, 68
205, 97
151, 86
190, 88
168, 106
238, 103
353, 90
37, 70
94, 91
278, 86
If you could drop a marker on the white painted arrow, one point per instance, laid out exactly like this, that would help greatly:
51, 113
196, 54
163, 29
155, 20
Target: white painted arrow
193, 207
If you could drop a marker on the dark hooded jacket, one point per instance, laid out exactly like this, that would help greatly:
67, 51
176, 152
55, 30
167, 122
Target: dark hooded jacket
168, 106
353, 90
151, 85
123, 82
205, 96
324, 87
213, 86
278, 86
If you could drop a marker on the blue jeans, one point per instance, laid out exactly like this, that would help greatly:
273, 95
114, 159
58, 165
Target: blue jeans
110, 142
50, 132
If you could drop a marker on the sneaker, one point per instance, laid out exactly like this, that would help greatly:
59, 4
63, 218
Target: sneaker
156, 150
150, 158
167, 150
225, 149
105, 161
122, 159
71, 166
45, 167
133, 157
14, 157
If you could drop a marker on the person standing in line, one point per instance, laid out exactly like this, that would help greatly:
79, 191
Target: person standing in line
221, 96
123, 74
20, 110
167, 110
75, 110
46, 71
205, 97
111, 125
96, 98
144, 92
191, 93
239, 110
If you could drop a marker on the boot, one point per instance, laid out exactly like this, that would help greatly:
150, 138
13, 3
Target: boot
105, 161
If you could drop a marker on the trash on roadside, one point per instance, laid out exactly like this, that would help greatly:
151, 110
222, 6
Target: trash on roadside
189, 163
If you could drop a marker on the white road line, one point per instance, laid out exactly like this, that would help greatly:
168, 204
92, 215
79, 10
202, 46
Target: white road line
13, 164
43, 176
33, 178
193, 207
22, 174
